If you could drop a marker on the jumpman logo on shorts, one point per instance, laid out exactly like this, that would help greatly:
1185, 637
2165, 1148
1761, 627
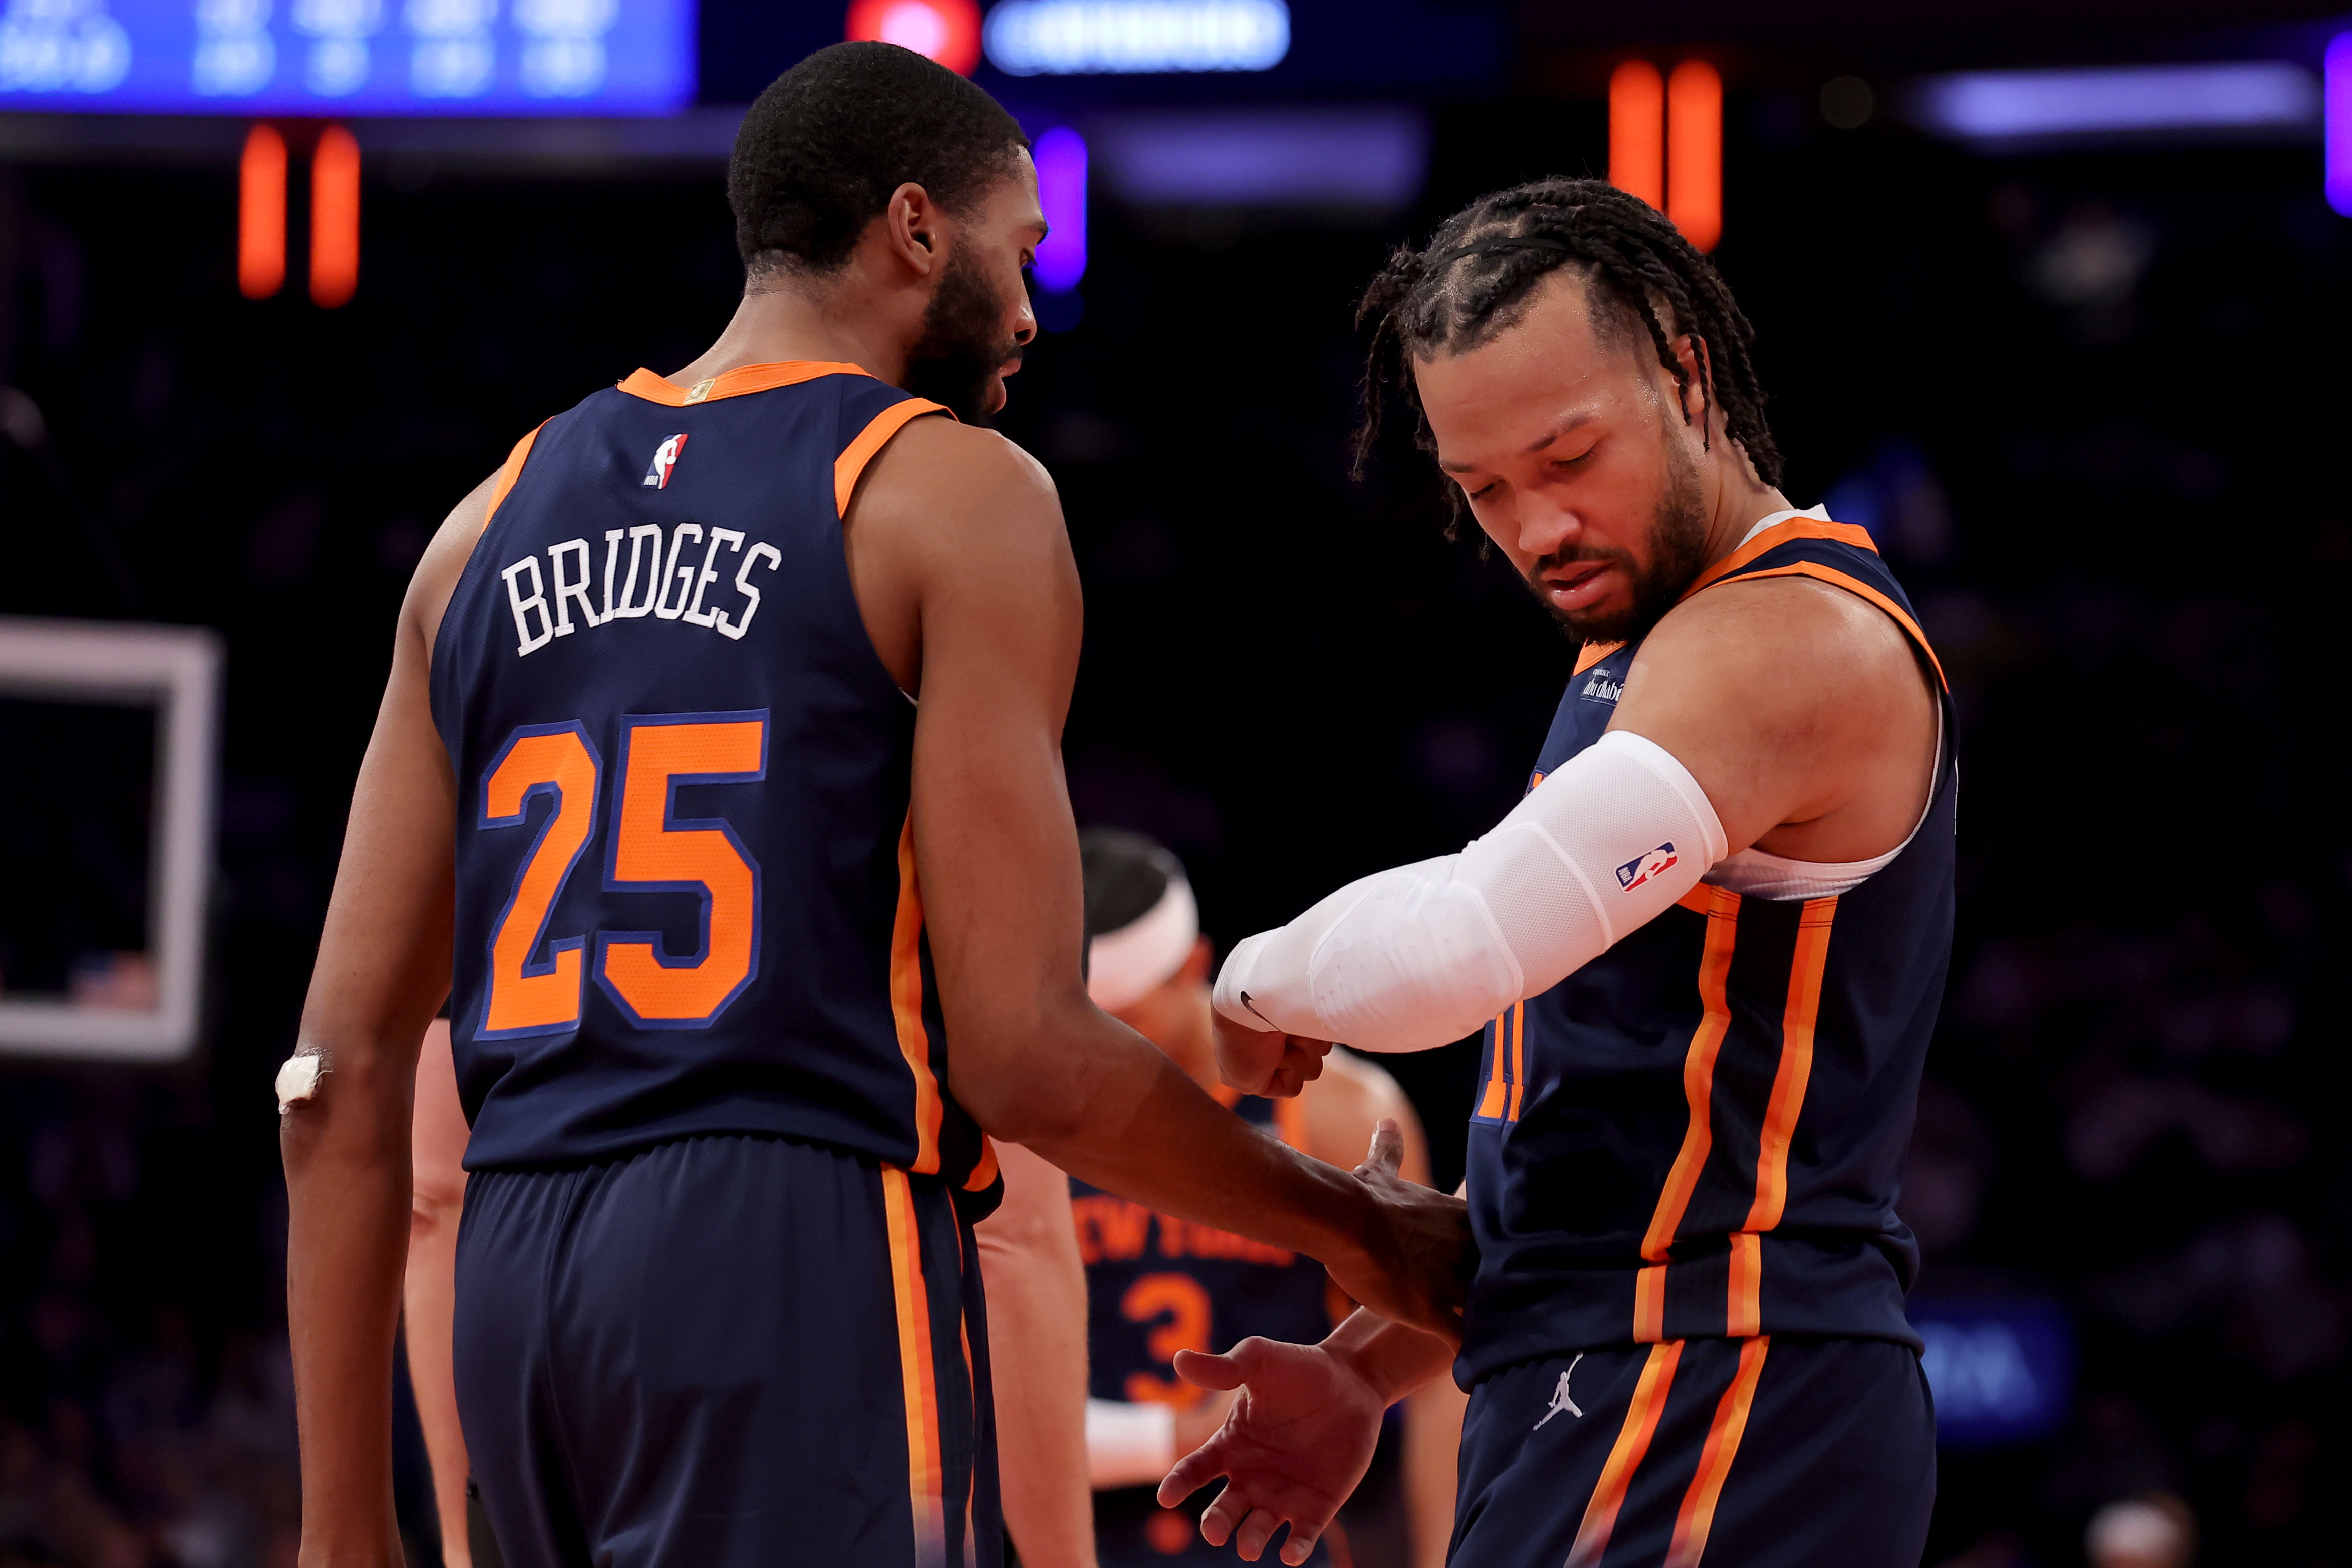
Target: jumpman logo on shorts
1560, 1399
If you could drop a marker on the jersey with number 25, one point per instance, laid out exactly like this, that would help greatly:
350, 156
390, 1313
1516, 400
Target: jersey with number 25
687, 901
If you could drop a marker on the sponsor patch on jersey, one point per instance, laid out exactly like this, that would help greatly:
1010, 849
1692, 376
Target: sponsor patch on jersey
665, 459
1600, 686
1641, 868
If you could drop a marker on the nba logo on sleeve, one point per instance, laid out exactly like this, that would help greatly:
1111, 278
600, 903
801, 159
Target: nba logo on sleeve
665, 459
1641, 868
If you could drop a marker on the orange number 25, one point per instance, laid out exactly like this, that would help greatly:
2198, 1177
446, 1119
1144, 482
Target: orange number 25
653, 850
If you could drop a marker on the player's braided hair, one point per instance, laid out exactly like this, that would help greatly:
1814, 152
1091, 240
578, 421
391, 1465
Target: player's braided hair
1478, 272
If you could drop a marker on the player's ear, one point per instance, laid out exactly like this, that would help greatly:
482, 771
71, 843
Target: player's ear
912, 220
1699, 376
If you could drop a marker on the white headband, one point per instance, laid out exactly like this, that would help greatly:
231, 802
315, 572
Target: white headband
1123, 966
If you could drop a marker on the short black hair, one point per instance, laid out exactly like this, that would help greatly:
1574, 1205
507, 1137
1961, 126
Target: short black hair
1127, 874
823, 147
1476, 276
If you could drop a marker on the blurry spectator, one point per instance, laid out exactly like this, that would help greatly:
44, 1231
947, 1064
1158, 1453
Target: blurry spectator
2154, 1531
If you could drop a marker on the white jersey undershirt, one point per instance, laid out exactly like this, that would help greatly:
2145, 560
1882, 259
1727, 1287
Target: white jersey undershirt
1755, 874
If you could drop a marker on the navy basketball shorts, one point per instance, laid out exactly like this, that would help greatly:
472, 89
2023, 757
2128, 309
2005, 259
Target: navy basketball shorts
1760, 1453
726, 1352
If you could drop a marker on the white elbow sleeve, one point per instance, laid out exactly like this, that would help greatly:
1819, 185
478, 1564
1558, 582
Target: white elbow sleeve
1424, 955
1128, 1445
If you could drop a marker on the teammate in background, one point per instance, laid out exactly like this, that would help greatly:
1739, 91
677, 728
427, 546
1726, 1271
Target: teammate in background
764, 901
1157, 1285
1038, 1296
1711, 942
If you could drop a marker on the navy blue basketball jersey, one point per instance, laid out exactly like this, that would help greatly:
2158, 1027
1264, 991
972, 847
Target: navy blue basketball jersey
687, 900
1698, 1134
1157, 1285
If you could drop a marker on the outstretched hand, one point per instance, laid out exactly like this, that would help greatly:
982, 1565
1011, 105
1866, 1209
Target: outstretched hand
1297, 1440
1416, 1267
1267, 1063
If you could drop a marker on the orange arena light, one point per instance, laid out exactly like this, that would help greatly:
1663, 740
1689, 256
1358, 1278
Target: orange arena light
335, 218
261, 214
1637, 132
1694, 153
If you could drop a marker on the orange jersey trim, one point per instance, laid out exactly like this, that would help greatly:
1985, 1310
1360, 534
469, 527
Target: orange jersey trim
1743, 1311
508, 472
1590, 654
1632, 1443
925, 1472
984, 1169
1774, 537
1856, 586
1519, 1056
744, 380
1696, 1518
906, 1005
851, 464
1698, 1138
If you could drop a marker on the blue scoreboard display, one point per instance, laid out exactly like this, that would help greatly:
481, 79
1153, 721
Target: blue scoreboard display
344, 58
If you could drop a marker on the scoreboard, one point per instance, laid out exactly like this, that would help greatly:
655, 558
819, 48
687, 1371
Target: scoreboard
346, 57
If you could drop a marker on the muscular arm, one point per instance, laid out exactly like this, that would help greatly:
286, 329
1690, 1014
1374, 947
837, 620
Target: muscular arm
428, 1317
382, 967
1787, 714
1038, 1354
965, 529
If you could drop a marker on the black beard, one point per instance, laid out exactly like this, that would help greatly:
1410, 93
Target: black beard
1677, 553
960, 351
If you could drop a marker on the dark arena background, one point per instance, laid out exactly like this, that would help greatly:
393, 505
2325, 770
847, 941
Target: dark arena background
2050, 297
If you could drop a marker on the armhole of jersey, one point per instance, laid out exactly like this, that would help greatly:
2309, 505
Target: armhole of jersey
1861, 590
868, 444
507, 475
508, 472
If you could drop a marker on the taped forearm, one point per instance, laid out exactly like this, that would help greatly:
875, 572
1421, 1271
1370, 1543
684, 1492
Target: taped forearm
1426, 953
1128, 1445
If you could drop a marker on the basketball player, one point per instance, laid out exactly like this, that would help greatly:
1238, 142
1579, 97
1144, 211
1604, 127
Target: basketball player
720, 746
1711, 941
1037, 1303
1157, 1285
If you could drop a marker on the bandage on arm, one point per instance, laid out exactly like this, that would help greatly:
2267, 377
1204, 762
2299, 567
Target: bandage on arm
1128, 1445
1424, 955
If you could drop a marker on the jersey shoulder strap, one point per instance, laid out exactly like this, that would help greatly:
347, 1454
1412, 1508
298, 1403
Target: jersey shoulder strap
1837, 553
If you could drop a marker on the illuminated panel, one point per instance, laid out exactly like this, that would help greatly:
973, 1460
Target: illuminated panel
334, 217
2020, 106
1293, 160
1079, 38
334, 58
261, 214
1637, 132
2340, 123
1694, 153
945, 30
1061, 155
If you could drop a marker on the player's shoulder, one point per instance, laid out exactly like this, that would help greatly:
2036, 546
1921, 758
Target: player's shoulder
1766, 644
939, 457
444, 562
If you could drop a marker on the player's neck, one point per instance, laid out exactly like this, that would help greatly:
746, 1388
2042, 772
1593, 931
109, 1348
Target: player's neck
1740, 499
841, 323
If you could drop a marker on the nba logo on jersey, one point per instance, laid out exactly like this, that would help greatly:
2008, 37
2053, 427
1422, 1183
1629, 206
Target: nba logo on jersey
665, 459
1641, 868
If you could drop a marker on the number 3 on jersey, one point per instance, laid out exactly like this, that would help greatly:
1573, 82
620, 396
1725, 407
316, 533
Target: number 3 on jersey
653, 850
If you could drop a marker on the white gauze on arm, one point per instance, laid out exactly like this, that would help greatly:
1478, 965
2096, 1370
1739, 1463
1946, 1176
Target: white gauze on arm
1422, 956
